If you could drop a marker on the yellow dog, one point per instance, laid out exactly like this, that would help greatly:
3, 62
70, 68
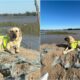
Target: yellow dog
74, 44
11, 40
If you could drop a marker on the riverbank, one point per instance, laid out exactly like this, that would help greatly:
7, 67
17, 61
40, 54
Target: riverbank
59, 33
21, 66
57, 65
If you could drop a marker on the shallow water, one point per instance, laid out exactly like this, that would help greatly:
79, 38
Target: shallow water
54, 38
31, 42
18, 19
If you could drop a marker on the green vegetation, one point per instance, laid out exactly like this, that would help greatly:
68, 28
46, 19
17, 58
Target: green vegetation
59, 32
30, 28
3, 24
20, 14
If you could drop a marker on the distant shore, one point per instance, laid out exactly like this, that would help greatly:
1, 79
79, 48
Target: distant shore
57, 36
59, 32
19, 14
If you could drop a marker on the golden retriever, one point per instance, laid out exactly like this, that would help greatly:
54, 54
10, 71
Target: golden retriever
12, 40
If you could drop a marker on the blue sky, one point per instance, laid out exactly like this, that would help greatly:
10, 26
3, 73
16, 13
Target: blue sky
16, 6
60, 14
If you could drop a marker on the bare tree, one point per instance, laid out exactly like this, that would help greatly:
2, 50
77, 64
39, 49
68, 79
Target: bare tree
37, 10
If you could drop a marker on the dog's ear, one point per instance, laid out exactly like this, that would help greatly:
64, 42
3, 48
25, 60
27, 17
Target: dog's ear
66, 39
71, 39
20, 32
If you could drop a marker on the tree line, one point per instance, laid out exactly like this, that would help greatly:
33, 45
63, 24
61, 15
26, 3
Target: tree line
73, 29
20, 14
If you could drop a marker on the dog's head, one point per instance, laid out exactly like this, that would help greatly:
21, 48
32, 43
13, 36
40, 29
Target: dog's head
15, 33
69, 39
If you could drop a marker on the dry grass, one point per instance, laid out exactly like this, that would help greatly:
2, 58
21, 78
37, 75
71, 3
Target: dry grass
35, 75
58, 72
28, 53
1, 77
48, 60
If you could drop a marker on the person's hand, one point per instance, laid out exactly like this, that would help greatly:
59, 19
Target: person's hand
64, 52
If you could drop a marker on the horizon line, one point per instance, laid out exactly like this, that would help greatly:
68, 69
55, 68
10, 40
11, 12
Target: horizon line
17, 12
61, 29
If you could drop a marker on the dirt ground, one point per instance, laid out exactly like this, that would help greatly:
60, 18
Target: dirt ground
57, 72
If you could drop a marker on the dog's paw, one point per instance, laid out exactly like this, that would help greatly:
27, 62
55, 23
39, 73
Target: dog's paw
9, 51
64, 52
16, 51
12, 52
